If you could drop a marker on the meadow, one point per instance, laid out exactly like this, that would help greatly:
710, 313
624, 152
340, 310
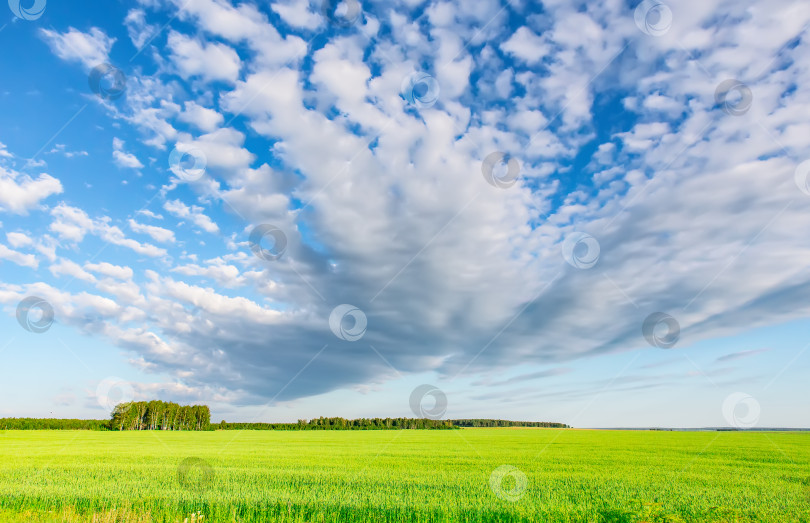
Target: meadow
466, 475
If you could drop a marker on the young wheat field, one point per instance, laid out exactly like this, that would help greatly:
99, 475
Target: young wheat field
409, 475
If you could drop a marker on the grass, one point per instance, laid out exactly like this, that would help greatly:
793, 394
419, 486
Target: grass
404, 476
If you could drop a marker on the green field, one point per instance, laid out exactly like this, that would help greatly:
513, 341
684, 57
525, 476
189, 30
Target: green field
408, 475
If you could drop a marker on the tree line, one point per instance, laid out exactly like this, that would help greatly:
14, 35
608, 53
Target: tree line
344, 424
53, 424
385, 424
160, 415
507, 423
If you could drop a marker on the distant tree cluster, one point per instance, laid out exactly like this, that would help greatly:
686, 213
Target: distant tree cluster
344, 424
53, 424
385, 424
159, 415
507, 423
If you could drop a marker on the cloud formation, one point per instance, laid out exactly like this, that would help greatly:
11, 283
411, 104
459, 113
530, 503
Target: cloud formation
618, 135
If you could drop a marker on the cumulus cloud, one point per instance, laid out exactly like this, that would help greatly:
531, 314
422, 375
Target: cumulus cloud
526, 46
72, 269
110, 270
159, 234
297, 13
192, 213
123, 158
73, 224
21, 259
19, 193
201, 117
18, 239
212, 61
90, 49
139, 31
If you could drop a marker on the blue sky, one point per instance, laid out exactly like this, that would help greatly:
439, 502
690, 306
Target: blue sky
488, 197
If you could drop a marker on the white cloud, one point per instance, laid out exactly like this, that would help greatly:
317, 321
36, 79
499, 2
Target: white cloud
72, 269
19, 193
150, 214
211, 61
205, 119
526, 46
61, 148
24, 260
193, 213
90, 49
298, 14
18, 239
110, 270
225, 275
123, 158
73, 224
245, 23
138, 30
158, 234
223, 149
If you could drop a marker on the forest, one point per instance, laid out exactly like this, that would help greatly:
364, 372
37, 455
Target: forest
159, 415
